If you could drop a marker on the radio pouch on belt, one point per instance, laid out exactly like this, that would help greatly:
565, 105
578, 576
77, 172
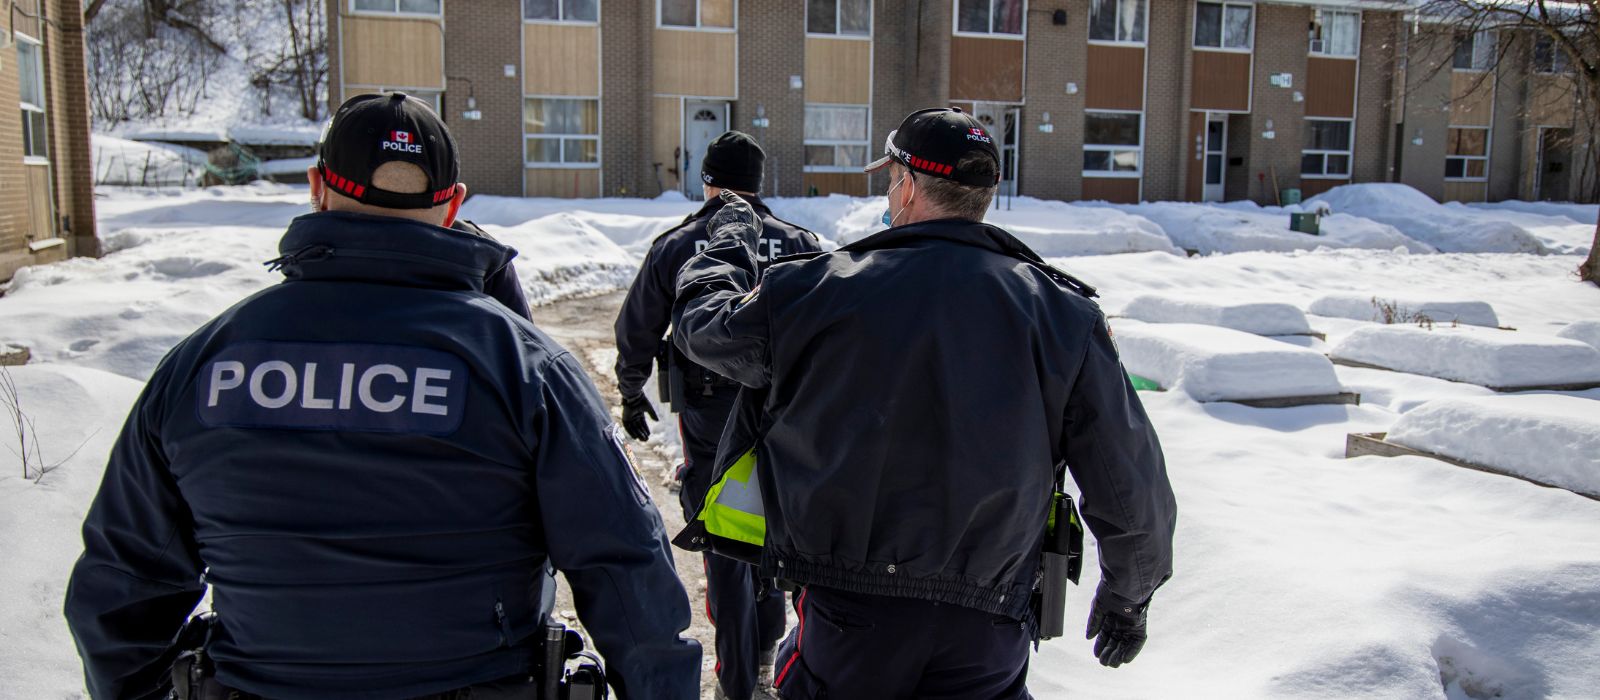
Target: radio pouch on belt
663, 366
1061, 562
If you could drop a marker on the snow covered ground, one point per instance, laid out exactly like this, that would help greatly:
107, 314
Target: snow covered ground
1451, 229
1299, 573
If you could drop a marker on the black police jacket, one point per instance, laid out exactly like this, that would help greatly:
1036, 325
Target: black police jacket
641, 326
910, 399
375, 466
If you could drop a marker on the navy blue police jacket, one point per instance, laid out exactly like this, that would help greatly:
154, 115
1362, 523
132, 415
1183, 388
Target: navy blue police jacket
641, 327
911, 399
376, 467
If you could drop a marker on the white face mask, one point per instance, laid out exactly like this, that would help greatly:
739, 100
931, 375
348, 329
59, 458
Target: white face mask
887, 219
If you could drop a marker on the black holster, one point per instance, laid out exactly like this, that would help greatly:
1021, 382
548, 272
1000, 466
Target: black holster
1061, 561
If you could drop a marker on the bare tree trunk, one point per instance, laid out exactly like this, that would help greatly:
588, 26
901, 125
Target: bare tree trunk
1589, 271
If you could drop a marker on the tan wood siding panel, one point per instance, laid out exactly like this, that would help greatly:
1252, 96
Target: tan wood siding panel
560, 60
853, 184
1194, 151
838, 71
665, 141
716, 13
1471, 99
1330, 87
1221, 81
1116, 78
1117, 190
694, 63
561, 182
1551, 100
987, 70
1310, 188
1465, 191
402, 52
41, 221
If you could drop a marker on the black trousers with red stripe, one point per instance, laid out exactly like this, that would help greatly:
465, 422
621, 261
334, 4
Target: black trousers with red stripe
851, 645
748, 613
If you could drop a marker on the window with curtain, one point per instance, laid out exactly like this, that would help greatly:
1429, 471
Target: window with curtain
1112, 143
990, 16
835, 138
1474, 52
30, 73
1222, 25
561, 10
1335, 33
560, 131
1467, 154
410, 7
1117, 20
841, 17
1326, 152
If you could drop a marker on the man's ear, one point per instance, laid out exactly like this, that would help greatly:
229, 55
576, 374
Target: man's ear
314, 177
455, 204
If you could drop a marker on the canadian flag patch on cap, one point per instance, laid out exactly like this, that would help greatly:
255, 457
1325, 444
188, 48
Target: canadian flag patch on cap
401, 136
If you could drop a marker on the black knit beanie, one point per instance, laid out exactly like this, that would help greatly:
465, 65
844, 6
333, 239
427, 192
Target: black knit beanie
733, 162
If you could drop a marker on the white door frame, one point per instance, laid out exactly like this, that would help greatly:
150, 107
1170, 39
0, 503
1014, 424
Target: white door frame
1213, 192
692, 189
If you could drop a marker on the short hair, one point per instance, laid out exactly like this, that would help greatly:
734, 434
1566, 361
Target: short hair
400, 176
958, 200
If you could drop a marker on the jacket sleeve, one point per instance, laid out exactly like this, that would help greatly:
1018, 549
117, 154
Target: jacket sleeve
139, 576
606, 536
506, 287
643, 323
1116, 460
720, 316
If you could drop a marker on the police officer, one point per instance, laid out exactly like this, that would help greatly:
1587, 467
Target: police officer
918, 392
376, 468
747, 614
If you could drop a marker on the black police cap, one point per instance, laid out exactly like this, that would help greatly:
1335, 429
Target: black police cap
935, 141
370, 130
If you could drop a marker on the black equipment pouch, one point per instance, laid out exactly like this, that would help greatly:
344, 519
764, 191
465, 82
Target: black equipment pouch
663, 360
192, 668
1061, 561
584, 680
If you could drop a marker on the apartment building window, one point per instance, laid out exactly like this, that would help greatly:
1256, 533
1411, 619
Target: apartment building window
1474, 51
30, 71
1117, 20
1467, 154
841, 17
561, 132
561, 10
1222, 25
835, 138
697, 14
990, 16
1335, 33
1326, 152
1112, 143
1549, 58
408, 7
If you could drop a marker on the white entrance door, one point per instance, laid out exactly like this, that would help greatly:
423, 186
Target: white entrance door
703, 122
1001, 121
1216, 156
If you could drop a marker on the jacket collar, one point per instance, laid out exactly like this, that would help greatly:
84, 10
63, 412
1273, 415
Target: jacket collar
715, 203
365, 248
971, 233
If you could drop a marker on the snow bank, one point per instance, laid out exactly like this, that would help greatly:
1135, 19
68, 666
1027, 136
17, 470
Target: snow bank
287, 166
1260, 318
1370, 308
561, 256
1220, 364
124, 162
1560, 234
1583, 331
1244, 226
1487, 357
78, 413
1581, 213
1416, 215
1548, 438
630, 223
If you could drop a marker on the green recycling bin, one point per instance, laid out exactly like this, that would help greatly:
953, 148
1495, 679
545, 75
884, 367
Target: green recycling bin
1289, 195
1308, 222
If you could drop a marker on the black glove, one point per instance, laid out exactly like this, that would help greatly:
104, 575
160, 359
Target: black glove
736, 218
633, 412
1119, 624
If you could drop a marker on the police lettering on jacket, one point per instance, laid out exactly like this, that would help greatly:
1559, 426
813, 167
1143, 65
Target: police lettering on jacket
333, 386
767, 249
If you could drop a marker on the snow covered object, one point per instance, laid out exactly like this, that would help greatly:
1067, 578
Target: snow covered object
1500, 360
1418, 216
1550, 439
1210, 363
1260, 318
1389, 309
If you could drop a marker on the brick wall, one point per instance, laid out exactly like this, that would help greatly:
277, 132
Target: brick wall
625, 88
1166, 107
483, 36
772, 44
911, 67
1510, 98
1051, 167
14, 219
1427, 110
335, 85
1374, 137
1280, 48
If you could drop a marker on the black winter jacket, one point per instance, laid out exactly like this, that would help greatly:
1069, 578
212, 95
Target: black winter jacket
377, 468
641, 327
918, 391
